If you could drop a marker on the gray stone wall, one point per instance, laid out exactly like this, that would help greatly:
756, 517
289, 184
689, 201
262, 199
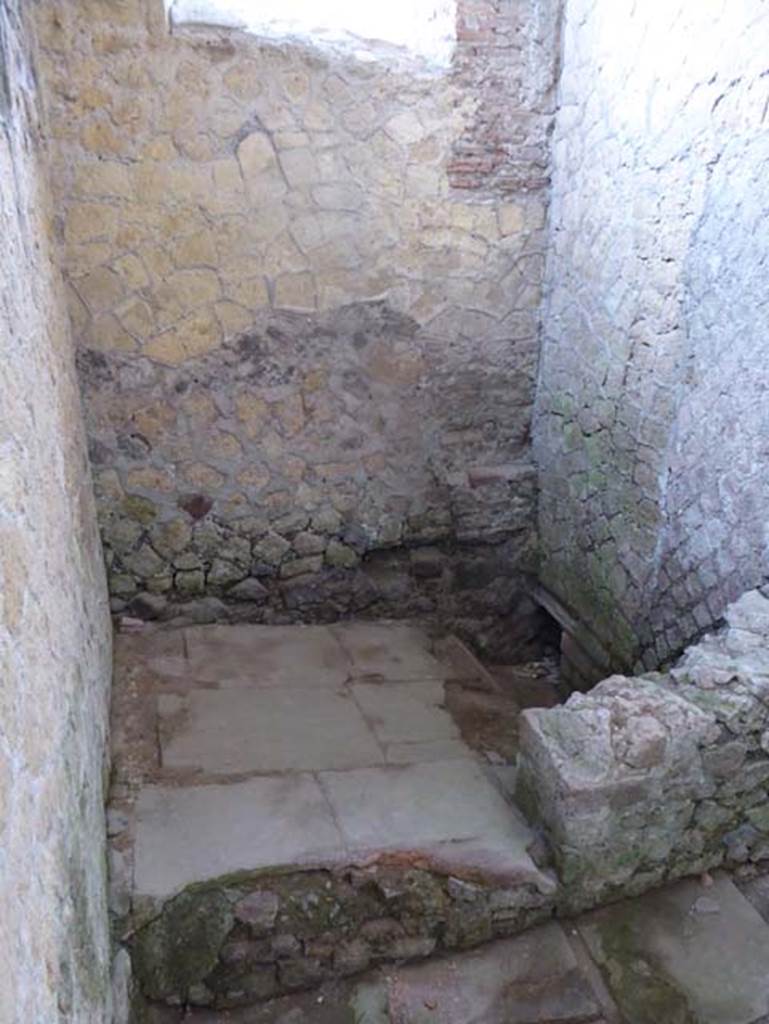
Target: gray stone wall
54, 626
305, 291
650, 424
648, 779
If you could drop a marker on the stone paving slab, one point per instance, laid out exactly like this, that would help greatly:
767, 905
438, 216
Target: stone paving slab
266, 655
389, 651
190, 834
272, 729
405, 712
445, 812
531, 979
685, 954
448, 809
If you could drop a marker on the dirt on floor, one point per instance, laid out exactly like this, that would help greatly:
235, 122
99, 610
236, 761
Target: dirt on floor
488, 720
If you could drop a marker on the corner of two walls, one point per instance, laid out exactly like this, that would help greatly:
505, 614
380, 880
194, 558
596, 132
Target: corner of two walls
305, 292
54, 624
649, 419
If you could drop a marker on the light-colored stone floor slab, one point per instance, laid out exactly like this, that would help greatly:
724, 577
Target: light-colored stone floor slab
388, 650
405, 712
444, 807
447, 811
527, 980
186, 835
266, 655
286, 747
271, 729
684, 954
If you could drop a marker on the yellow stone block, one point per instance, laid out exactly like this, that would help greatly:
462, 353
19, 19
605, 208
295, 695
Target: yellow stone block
158, 262
295, 84
131, 235
233, 318
190, 339
104, 178
187, 289
296, 291
244, 79
136, 317
227, 175
101, 138
90, 222
253, 477
193, 144
100, 290
510, 218
224, 446
149, 478
194, 251
300, 167
253, 413
132, 271
160, 148
206, 478
154, 420
259, 165
200, 407
283, 255
87, 257
251, 293
108, 335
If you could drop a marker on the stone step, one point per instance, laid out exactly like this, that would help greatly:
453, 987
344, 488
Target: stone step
532, 979
684, 954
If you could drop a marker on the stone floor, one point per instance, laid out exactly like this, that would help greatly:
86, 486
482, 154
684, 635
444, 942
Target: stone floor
261, 746
249, 748
692, 953
313, 752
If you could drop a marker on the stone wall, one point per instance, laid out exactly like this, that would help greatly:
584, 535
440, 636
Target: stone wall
649, 779
54, 625
305, 291
650, 422
239, 940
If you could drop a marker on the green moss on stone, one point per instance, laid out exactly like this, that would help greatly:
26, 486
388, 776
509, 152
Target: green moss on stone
643, 990
181, 947
140, 509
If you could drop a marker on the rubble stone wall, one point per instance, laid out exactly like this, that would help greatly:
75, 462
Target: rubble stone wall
650, 423
648, 779
247, 939
54, 621
305, 292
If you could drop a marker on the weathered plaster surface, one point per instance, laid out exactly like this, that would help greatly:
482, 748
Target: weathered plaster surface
305, 292
651, 424
54, 626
